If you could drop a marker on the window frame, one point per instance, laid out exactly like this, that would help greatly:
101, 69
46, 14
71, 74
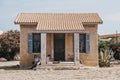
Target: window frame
36, 41
31, 43
84, 43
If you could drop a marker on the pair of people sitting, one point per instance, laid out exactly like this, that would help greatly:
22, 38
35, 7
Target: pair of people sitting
35, 62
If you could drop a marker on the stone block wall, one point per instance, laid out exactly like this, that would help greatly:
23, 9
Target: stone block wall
91, 59
88, 59
25, 57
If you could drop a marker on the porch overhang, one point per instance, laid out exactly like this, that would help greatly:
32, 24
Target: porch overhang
60, 27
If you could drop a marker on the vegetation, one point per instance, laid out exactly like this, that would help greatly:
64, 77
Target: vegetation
113, 45
105, 54
9, 44
102, 45
105, 57
116, 48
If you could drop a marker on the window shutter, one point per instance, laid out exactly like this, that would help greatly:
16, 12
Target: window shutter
30, 43
87, 43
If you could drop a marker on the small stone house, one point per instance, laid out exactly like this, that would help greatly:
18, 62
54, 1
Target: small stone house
59, 37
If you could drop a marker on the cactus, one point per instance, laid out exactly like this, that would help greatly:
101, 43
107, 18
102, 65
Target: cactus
105, 57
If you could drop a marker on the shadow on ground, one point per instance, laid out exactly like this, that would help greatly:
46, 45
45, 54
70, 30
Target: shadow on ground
9, 67
13, 67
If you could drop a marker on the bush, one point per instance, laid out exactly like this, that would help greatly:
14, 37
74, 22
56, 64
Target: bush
105, 57
102, 45
116, 49
9, 44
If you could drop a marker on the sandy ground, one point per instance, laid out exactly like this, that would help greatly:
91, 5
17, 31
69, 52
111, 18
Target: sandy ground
85, 73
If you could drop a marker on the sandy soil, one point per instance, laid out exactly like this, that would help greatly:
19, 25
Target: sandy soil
86, 73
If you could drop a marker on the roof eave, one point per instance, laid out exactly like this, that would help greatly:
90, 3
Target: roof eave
26, 23
92, 23
62, 31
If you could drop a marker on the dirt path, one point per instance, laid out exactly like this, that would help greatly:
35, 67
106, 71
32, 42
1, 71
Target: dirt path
81, 74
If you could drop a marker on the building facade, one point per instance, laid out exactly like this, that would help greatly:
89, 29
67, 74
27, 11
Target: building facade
59, 37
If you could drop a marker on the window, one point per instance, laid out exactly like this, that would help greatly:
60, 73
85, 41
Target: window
34, 43
82, 43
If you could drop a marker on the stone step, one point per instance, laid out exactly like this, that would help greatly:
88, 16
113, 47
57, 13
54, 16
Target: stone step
60, 64
59, 67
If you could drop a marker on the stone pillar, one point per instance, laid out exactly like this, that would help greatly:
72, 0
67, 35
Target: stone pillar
43, 48
76, 48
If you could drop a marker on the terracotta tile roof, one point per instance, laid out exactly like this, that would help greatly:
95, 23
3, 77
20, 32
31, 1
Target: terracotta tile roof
58, 21
61, 26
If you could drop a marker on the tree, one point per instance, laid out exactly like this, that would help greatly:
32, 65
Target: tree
9, 44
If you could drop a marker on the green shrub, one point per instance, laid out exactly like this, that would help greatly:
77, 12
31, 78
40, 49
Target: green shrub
116, 48
105, 57
102, 45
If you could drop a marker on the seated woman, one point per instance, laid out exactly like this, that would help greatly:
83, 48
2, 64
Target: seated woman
35, 61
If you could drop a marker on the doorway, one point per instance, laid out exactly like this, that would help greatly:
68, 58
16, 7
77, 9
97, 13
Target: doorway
59, 47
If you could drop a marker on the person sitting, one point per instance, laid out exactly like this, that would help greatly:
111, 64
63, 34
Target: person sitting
35, 62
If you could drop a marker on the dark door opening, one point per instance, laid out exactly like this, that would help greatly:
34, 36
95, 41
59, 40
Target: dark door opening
59, 47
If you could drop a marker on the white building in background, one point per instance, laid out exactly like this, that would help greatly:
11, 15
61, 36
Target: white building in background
1, 32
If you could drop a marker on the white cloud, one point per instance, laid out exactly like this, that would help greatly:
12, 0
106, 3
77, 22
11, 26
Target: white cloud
115, 17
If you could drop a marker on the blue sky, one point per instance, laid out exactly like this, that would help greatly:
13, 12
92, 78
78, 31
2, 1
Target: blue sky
109, 11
